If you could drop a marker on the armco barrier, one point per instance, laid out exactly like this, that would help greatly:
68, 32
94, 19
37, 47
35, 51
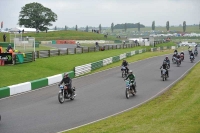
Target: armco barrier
128, 54
122, 56
19, 88
4, 92
39, 83
107, 61
115, 59
80, 70
132, 53
54, 79
96, 65
32, 85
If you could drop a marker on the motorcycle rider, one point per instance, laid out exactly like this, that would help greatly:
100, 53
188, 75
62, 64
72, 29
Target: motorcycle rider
67, 84
167, 60
125, 64
195, 50
189, 50
192, 54
176, 51
182, 53
131, 76
164, 66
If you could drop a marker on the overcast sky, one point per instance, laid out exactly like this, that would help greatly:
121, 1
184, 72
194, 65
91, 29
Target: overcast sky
104, 12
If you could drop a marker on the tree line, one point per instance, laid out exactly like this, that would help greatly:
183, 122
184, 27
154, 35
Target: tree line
35, 15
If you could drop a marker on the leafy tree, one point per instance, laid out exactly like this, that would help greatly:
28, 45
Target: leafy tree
76, 28
55, 28
167, 25
112, 27
100, 28
125, 27
128, 25
86, 29
139, 26
184, 26
35, 15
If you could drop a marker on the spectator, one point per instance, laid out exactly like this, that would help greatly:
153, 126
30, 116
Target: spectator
4, 37
97, 44
23, 31
1, 50
9, 47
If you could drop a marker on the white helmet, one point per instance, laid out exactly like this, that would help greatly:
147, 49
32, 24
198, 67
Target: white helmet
130, 71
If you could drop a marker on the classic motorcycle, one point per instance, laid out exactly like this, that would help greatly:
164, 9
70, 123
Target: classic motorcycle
63, 95
182, 57
191, 59
130, 88
174, 59
178, 62
164, 74
123, 70
168, 65
195, 52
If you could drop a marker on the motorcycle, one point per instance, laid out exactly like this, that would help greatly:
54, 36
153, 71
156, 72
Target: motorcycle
195, 52
174, 59
123, 70
182, 57
168, 65
130, 88
191, 59
62, 95
178, 62
190, 51
164, 74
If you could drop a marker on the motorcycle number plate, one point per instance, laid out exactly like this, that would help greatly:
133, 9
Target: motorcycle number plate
191, 56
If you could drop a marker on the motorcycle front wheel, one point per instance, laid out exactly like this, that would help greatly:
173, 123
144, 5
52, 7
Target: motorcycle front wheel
127, 93
61, 98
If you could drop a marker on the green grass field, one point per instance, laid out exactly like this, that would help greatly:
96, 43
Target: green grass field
175, 111
62, 35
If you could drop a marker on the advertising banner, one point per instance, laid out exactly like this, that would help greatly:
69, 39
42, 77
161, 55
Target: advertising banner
7, 57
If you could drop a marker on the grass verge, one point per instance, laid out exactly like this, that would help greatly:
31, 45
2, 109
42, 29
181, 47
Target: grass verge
175, 111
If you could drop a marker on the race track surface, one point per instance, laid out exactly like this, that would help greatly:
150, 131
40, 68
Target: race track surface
98, 95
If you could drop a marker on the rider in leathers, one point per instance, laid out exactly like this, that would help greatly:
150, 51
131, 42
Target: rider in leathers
183, 54
167, 60
131, 76
164, 66
67, 83
125, 64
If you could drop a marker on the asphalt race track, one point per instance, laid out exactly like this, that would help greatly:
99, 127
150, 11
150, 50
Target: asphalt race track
98, 95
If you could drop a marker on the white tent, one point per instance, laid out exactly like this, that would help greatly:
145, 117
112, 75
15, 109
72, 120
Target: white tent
17, 29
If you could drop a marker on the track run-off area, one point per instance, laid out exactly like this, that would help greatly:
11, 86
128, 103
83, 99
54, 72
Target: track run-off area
99, 95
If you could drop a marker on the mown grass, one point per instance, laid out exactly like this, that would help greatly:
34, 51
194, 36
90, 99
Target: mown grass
41, 47
44, 67
62, 35
175, 111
